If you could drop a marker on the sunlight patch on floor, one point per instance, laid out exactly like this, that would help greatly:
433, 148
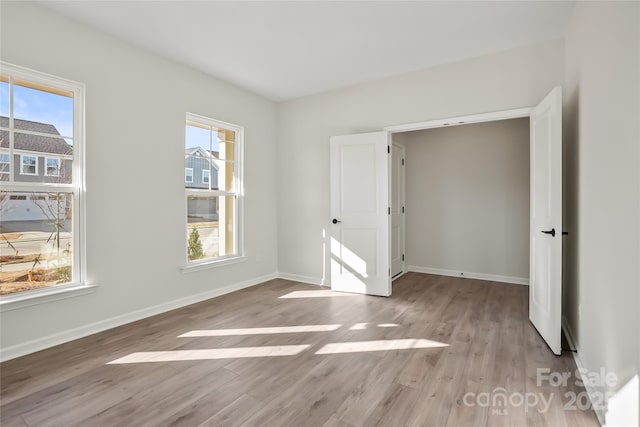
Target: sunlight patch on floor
325, 293
259, 331
363, 326
210, 354
358, 327
378, 345
388, 325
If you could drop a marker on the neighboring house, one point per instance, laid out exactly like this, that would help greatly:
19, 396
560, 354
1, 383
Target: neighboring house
40, 154
201, 170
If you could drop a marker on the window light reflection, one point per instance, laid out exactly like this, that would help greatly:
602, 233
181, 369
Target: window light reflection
210, 354
317, 294
259, 331
378, 345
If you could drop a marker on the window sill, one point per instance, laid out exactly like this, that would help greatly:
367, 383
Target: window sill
211, 264
41, 296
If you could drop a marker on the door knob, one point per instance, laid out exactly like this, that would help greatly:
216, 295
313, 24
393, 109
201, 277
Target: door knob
335, 221
552, 232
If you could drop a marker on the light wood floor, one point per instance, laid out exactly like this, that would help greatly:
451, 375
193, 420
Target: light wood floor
471, 336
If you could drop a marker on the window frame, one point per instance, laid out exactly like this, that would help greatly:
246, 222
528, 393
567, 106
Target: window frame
22, 164
186, 181
237, 192
77, 187
46, 166
208, 173
8, 163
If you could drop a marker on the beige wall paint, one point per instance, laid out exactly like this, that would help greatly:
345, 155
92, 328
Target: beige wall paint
602, 187
468, 198
135, 112
511, 79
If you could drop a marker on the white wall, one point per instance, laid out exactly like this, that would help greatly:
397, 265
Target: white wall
512, 79
136, 105
468, 199
602, 192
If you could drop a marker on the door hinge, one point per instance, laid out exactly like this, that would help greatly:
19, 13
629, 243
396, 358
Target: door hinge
403, 257
389, 149
402, 162
389, 210
403, 209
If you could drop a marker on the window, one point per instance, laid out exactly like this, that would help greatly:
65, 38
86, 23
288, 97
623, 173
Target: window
29, 165
52, 166
214, 205
5, 163
188, 175
41, 126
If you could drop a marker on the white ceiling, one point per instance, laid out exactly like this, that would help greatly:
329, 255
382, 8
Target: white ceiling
285, 50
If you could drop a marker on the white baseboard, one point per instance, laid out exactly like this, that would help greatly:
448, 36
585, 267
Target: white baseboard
591, 392
83, 331
303, 279
470, 275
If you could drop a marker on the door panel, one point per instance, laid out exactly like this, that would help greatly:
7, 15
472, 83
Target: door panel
359, 213
545, 291
358, 178
358, 251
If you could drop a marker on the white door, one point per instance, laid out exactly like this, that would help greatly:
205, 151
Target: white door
545, 252
359, 223
397, 210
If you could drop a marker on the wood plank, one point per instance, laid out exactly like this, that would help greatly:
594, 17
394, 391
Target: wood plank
235, 413
488, 341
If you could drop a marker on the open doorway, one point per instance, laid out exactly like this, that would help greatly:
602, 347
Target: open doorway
466, 201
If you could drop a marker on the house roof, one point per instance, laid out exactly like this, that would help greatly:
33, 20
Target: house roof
195, 151
199, 152
53, 144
